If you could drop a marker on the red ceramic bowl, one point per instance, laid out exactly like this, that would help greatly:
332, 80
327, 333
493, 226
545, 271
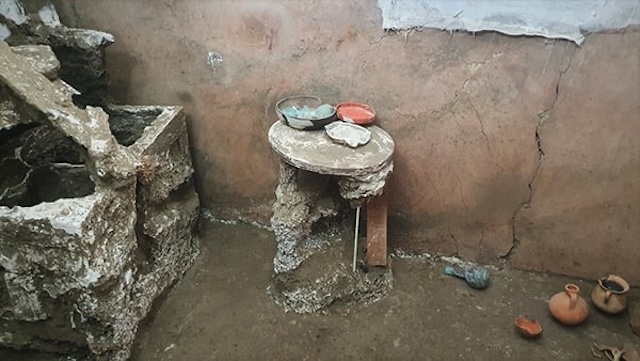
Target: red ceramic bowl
357, 113
528, 328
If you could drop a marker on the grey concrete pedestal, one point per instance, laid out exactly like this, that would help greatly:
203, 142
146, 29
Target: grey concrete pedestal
320, 183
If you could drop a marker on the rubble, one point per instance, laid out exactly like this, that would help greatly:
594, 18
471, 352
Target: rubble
81, 51
325, 279
97, 211
41, 57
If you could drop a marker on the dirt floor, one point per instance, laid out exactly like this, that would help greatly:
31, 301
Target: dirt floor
221, 311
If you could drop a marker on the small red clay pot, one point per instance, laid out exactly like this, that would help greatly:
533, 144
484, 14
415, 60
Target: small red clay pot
568, 307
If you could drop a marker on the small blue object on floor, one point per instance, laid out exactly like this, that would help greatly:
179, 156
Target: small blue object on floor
477, 277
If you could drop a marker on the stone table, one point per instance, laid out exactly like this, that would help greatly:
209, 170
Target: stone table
321, 181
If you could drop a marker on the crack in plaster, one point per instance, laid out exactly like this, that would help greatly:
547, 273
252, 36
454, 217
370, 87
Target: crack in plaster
393, 32
474, 64
481, 241
384, 35
455, 241
484, 134
471, 66
477, 113
542, 118
464, 202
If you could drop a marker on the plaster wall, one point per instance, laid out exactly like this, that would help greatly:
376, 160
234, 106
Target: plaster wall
549, 18
519, 150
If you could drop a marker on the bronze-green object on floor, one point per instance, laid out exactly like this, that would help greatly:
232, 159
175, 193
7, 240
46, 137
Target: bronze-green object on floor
477, 277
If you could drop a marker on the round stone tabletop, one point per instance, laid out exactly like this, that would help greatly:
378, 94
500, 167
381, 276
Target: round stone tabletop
314, 151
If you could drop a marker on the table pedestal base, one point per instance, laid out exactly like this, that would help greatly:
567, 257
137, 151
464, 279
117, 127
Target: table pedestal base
326, 279
314, 251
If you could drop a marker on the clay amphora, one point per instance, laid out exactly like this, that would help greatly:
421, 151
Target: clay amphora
610, 294
568, 307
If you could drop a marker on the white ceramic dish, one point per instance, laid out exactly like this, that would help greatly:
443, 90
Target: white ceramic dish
347, 133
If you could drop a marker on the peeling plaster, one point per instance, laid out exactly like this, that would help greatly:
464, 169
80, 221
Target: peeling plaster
5, 32
13, 10
547, 18
49, 15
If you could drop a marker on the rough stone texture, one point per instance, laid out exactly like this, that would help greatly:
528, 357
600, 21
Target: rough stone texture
312, 267
312, 263
60, 262
315, 152
362, 187
41, 57
41, 164
327, 279
91, 231
81, 51
89, 128
295, 211
463, 111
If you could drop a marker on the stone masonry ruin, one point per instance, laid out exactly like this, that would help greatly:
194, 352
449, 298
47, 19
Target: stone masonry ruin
80, 51
97, 207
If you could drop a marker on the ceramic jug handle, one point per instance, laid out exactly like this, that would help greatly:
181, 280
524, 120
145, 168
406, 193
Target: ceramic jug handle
573, 297
607, 295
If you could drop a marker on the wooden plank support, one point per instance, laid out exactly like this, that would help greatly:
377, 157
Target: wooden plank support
377, 231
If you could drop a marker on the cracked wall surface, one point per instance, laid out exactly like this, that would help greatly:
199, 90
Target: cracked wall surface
585, 205
510, 150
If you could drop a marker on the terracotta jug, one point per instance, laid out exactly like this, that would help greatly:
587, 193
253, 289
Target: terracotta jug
610, 294
568, 307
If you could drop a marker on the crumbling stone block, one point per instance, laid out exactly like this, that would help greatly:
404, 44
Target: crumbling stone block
97, 213
158, 137
41, 57
81, 51
41, 164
